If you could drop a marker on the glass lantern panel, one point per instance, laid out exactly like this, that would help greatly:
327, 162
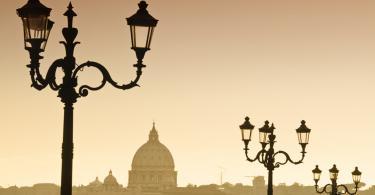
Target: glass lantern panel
303, 138
317, 176
149, 36
333, 175
357, 178
35, 28
47, 33
246, 134
141, 36
263, 137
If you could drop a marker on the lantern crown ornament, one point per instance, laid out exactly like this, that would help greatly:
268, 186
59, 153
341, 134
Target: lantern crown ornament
33, 8
142, 17
247, 124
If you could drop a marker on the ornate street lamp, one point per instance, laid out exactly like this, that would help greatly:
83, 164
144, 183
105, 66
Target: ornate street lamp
267, 157
142, 26
37, 28
336, 189
246, 131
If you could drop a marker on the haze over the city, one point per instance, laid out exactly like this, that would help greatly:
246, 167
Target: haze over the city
211, 64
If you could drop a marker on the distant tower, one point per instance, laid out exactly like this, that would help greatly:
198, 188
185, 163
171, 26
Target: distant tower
152, 166
221, 174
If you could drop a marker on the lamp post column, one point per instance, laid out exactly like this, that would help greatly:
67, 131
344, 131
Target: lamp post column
68, 96
270, 182
334, 187
270, 163
67, 151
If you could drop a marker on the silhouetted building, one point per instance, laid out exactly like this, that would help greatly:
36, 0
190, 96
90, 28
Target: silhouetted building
259, 182
193, 191
110, 183
95, 184
259, 185
152, 167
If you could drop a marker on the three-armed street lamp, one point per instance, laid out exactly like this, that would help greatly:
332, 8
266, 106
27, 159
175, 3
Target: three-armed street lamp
37, 28
267, 157
335, 189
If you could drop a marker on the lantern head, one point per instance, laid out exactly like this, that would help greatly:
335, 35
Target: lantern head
303, 134
356, 176
316, 174
333, 173
36, 24
142, 26
246, 131
265, 132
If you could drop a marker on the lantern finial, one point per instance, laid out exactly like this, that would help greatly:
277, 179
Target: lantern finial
142, 5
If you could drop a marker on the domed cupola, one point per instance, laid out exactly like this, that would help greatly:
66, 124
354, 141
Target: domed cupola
153, 154
110, 180
152, 166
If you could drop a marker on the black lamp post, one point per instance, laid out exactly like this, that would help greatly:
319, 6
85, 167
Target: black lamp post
37, 28
335, 189
267, 157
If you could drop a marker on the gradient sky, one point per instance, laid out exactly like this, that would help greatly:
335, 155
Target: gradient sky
211, 64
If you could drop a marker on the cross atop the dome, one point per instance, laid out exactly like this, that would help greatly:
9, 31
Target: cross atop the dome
153, 136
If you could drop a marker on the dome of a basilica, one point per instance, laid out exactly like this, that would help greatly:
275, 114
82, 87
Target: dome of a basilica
152, 167
110, 180
153, 155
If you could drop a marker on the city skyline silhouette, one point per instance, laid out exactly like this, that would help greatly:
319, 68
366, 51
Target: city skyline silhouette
153, 172
212, 64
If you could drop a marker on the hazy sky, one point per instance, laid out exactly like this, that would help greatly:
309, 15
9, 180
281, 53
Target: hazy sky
211, 64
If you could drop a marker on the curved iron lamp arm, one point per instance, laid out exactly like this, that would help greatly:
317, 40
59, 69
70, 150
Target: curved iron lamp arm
346, 190
324, 190
287, 159
259, 156
84, 89
38, 81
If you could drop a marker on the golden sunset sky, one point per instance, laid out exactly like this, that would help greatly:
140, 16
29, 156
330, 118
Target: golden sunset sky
212, 63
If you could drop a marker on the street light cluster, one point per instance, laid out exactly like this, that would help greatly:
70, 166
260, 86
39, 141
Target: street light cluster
333, 175
267, 157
